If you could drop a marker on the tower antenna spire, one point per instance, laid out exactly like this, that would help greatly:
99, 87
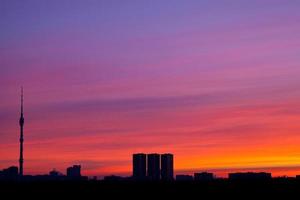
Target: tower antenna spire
21, 123
22, 100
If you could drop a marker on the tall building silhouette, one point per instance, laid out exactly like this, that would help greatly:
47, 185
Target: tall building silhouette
139, 166
153, 166
167, 167
21, 122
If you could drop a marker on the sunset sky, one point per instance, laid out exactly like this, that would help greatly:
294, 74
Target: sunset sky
216, 83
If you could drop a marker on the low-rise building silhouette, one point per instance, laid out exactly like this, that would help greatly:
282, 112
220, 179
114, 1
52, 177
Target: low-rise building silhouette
10, 173
55, 173
167, 167
74, 171
182, 177
113, 178
203, 176
250, 176
139, 166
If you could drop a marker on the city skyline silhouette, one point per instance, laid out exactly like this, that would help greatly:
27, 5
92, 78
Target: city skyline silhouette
216, 84
145, 167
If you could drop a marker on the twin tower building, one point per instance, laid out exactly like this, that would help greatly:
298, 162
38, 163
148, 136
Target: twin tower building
153, 166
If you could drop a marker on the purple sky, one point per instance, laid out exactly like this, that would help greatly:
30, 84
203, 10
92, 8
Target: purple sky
200, 79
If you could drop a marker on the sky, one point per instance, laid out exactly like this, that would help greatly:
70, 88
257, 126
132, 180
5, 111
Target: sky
216, 83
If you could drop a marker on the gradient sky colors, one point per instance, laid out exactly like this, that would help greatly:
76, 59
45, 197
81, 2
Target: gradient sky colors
217, 83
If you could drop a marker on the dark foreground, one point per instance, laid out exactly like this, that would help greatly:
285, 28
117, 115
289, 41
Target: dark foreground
284, 188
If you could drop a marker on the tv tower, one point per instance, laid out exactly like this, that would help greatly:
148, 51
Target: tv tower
21, 122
